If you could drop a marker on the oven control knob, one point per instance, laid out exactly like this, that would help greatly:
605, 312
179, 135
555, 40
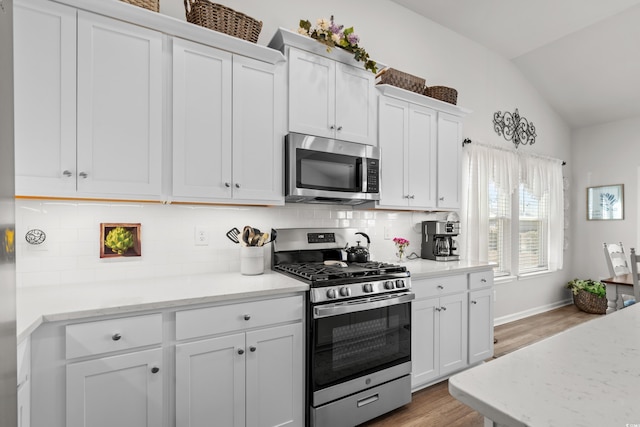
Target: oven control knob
331, 294
345, 292
389, 284
399, 283
367, 288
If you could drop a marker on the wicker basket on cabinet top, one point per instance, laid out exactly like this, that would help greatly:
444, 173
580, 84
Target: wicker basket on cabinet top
153, 5
442, 93
222, 19
393, 77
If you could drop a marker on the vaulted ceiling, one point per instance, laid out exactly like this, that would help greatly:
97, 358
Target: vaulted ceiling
583, 56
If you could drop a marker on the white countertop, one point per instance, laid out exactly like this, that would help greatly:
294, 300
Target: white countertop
36, 305
66, 302
588, 375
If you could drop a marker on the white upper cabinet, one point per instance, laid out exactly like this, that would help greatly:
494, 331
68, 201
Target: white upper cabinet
201, 121
45, 98
407, 137
330, 99
228, 127
113, 148
119, 107
421, 146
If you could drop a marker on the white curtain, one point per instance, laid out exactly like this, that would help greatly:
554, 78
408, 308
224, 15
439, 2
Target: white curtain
507, 168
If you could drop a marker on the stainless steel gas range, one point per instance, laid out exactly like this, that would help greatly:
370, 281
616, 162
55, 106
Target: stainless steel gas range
358, 321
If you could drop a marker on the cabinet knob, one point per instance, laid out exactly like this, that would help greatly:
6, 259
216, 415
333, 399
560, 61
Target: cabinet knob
441, 199
83, 175
247, 316
116, 337
440, 287
483, 280
474, 302
155, 370
240, 351
412, 196
67, 173
252, 348
332, 127
443, 308
339, 127
226, 184
237, 185
438, 308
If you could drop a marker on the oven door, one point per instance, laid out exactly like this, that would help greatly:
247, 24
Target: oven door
366, 337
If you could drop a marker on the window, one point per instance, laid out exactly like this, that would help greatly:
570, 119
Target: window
533, 231
499, 229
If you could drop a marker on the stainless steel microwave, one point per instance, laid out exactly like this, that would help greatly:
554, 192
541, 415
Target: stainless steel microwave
322, 170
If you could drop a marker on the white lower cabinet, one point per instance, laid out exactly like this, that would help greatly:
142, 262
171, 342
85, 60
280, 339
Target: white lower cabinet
251, 377
452, 327
24, 382
123, 390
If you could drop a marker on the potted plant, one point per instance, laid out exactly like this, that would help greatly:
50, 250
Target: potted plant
589, 295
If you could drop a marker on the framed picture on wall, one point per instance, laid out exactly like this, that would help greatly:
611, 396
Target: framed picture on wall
605, 202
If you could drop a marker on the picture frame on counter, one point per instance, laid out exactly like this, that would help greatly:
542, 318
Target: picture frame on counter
605, 202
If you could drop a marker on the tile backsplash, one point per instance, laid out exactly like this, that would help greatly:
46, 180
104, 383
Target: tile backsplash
71, 251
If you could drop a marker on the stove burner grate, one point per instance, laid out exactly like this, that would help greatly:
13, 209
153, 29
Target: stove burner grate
320, 272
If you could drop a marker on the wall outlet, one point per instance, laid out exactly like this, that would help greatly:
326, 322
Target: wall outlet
201, 237
387, 232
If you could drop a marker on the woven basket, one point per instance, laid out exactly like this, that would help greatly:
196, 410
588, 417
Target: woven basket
222, 19
590, 303
442, 93
153, 5
390, 76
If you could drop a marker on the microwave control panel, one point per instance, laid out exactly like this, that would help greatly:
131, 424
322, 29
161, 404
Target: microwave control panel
373, 171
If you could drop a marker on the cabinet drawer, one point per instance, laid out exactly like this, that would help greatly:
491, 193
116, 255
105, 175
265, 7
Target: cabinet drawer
226, 318
91, 338
439, 286
481, 279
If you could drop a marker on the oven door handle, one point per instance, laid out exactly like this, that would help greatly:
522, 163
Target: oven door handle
354, 306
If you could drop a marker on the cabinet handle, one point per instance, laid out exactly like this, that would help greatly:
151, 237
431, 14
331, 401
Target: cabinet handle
226, 184
252, 348
443, 308
155, 370
438, 309
332, 127
441, 199
237, 185
116, 337
67, 173
412, 196
483, 280
247, 316
240, 351
474, 302
339, 127
83, 175
440, 287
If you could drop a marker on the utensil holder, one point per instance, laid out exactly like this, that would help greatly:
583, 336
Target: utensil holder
251, 260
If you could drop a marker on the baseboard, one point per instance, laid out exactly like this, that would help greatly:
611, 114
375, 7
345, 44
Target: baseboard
533, 311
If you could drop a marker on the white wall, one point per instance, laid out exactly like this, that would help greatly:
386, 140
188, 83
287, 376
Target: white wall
401, 39
603, 155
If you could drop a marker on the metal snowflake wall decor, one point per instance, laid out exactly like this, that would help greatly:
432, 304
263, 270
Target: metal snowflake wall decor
514, 128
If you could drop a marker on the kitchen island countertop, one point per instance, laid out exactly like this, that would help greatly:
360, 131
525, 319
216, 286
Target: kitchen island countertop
585, 376
36, 305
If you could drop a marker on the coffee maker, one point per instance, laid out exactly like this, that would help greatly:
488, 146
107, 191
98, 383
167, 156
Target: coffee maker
439, 240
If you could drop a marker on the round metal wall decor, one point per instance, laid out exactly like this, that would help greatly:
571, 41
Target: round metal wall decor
35, 236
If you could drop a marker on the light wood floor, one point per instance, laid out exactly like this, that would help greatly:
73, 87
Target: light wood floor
434, 407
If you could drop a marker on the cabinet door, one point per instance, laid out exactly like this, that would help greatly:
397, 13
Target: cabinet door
312, 96
258, 130
45, 98
355, 105
275, 377
119, 108
201, 121
453, 332
421, 158
449, 160
210, 382
480, 325
116, 391
424, 344
393, 129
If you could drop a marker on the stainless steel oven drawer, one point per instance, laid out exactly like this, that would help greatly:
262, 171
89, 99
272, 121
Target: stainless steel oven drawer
363, 406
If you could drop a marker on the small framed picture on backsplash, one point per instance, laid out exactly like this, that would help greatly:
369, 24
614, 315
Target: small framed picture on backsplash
120, 240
